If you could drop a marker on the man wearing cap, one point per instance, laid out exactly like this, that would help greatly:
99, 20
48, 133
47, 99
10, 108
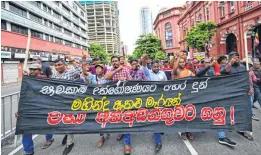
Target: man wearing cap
208, 70
232, 67
45, 70
71, 75
96, 61
34, 70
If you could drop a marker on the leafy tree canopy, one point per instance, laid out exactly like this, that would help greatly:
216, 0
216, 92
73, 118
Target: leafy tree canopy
98, 50
149, 44
198, 35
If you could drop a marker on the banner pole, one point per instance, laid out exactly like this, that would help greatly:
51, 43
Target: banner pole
246, 53
27, 49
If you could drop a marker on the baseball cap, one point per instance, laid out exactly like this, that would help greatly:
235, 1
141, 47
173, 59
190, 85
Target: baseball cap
35, 66
101, 65
37, 58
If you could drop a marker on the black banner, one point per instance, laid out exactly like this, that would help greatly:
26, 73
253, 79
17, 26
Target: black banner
191, 104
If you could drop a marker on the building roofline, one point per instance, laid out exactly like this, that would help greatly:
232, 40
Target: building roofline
79, 5
189, 10
173, 8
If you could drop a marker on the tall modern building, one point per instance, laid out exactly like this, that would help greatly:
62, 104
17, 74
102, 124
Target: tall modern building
103, 24
146, 25
57, 28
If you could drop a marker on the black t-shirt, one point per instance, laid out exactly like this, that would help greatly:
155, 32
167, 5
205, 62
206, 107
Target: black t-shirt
46, 70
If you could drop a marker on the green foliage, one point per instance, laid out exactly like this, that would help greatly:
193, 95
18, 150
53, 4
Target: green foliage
98, 50
198, 35
149, 44
160, 55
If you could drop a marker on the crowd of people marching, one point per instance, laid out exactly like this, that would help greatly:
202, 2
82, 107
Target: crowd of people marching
95, 72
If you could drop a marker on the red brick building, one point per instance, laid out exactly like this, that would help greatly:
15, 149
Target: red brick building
233, 19
166, 28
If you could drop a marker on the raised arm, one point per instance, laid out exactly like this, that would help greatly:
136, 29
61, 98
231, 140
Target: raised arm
109, 75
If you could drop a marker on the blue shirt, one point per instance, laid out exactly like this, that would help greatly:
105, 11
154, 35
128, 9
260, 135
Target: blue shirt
96, 80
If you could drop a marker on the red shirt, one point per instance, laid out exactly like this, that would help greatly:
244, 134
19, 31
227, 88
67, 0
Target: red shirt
166, 69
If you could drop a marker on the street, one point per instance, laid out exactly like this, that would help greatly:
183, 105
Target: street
142, 143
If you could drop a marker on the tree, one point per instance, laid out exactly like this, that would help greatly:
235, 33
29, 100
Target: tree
98, 50
149, 44
199, 34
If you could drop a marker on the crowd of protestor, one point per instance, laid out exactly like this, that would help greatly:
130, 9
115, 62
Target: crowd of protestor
146, 68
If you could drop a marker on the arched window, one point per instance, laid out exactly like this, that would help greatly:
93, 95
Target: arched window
168, 35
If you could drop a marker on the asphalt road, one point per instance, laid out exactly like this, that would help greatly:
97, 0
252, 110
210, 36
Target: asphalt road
143, 144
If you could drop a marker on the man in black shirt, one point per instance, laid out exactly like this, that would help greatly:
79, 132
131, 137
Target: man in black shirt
46, 69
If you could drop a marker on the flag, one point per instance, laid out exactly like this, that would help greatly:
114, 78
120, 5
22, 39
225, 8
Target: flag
256, 39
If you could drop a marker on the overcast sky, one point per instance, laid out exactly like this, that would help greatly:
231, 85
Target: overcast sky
129, 17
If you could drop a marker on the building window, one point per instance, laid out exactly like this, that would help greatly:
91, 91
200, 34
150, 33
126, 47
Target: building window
232, 6
56, 2
19, 29
83, 30
69, 33
58, 28
66, 21
85, 48
192, 21
35, 18
2, 4
75, 17
76, 36
46, 37
36, 3
58, 40
169, 43
66, 10
199, 17
67, 43
46, 9
222, 8
3, 25
50, 24
76, 27
168, 31
37, 34
167, 14
45, 22
50, 38
17, 10
74, 6
56, 15
78, 46
248, 5
83, 39
82, 22
82, 14
207, 13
